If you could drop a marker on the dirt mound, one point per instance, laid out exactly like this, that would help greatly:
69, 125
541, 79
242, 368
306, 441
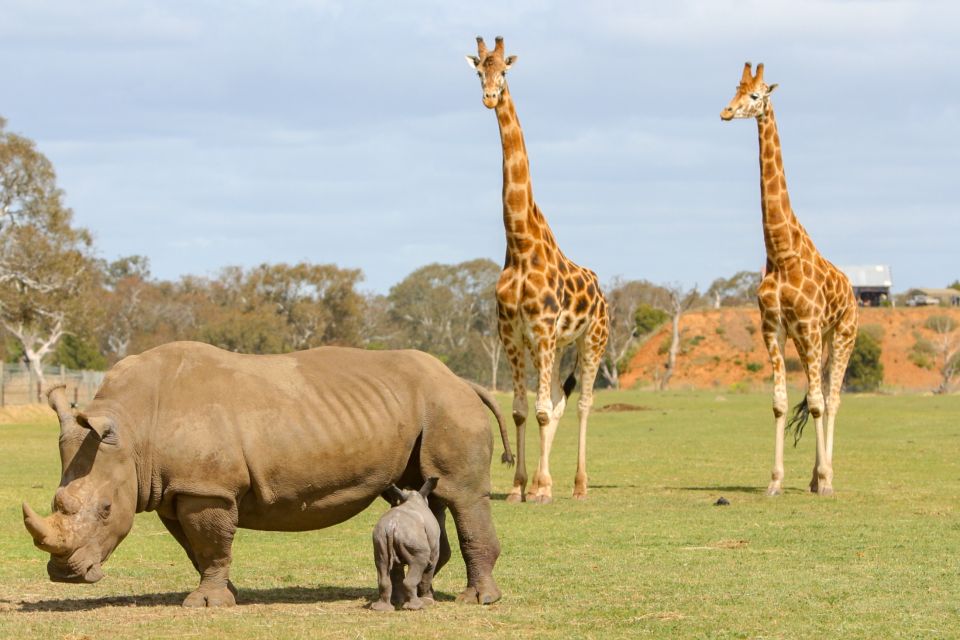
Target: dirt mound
722, 348
615, 407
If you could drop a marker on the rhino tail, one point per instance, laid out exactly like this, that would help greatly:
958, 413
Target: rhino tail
487, 398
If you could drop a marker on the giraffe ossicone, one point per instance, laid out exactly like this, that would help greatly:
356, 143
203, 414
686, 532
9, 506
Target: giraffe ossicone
545, 301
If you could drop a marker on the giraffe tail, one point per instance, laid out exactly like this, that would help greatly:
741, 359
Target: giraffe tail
801, 414
571, 380
487, 398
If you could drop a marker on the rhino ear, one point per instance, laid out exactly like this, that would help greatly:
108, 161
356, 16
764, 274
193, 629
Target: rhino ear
393, 495
429, 486
105, 428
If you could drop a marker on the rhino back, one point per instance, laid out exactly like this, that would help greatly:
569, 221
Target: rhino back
300, 441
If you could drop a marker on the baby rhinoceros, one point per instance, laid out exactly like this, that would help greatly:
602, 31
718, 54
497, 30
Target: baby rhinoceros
408, 534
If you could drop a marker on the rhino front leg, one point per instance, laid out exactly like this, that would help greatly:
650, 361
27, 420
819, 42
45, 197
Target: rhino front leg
173, 526
209, 525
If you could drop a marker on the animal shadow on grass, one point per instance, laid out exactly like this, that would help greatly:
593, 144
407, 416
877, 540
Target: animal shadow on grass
734, 489
283, 595
503, 496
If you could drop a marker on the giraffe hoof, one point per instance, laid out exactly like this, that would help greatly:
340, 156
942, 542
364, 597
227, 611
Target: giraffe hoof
514, 498
579, 495
774, 491
825, 492
544, 499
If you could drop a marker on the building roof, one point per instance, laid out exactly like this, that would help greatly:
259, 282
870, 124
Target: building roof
869, 275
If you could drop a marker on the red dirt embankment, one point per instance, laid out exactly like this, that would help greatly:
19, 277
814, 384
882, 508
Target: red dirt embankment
722, 348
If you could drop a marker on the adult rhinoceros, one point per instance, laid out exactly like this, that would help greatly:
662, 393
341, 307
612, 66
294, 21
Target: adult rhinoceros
213, 441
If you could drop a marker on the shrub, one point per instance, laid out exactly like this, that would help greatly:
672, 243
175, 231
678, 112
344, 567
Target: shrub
940, 324
922, 353
875, 331
754, 367
648, 318
865, 371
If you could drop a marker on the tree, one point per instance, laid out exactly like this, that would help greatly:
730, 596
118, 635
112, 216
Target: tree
864, 371
946, 346
126, 282
450, 311
736, 291
275, 308
680, 302
46, 270
629, 306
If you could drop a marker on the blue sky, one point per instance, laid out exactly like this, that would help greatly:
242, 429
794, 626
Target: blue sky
205, 134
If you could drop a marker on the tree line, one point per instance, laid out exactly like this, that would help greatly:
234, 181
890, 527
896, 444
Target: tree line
61, 304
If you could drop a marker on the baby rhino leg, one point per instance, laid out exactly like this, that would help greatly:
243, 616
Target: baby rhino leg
385, 583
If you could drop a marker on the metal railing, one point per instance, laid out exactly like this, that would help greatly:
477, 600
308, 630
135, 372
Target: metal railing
20, 385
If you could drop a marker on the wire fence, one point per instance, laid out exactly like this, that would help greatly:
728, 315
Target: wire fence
20, 385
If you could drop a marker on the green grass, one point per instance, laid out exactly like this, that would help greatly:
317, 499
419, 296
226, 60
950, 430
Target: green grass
648, 555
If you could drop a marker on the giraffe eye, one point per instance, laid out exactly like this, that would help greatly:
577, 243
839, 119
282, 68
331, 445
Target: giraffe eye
755, 96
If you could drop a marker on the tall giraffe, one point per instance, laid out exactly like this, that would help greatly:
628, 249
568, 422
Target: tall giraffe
544, 301
801, 295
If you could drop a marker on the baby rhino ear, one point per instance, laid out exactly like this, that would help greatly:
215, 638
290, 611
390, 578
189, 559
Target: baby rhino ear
429, 486
393, 495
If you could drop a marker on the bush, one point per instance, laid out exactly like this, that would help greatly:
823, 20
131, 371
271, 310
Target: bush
940, 324
922, 353
754, 367
648, 318
865, 371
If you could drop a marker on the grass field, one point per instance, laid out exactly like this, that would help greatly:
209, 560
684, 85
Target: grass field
647, 555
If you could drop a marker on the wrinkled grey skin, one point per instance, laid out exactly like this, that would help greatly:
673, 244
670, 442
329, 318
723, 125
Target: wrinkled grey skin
408, 534
213, 441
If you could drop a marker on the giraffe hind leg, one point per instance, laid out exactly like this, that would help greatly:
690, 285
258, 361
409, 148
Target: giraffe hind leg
515, 356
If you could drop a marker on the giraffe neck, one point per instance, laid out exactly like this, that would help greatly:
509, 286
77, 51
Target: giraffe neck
782, 233
522, 221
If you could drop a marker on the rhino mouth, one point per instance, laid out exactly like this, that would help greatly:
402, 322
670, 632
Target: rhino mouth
60, 573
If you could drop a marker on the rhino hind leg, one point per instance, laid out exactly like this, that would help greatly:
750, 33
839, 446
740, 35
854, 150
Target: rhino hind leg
480, 549
208, 525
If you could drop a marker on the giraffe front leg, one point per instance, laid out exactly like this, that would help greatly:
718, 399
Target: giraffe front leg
546, 357
542, 489
772, 338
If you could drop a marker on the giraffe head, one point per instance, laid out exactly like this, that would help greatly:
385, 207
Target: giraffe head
492, 67
752, 98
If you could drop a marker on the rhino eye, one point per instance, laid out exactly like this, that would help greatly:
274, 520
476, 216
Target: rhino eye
103, 511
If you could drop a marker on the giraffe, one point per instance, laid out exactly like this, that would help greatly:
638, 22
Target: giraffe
801, 295
545, 301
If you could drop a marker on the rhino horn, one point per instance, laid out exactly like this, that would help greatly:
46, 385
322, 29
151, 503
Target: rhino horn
57, 398
44, 534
